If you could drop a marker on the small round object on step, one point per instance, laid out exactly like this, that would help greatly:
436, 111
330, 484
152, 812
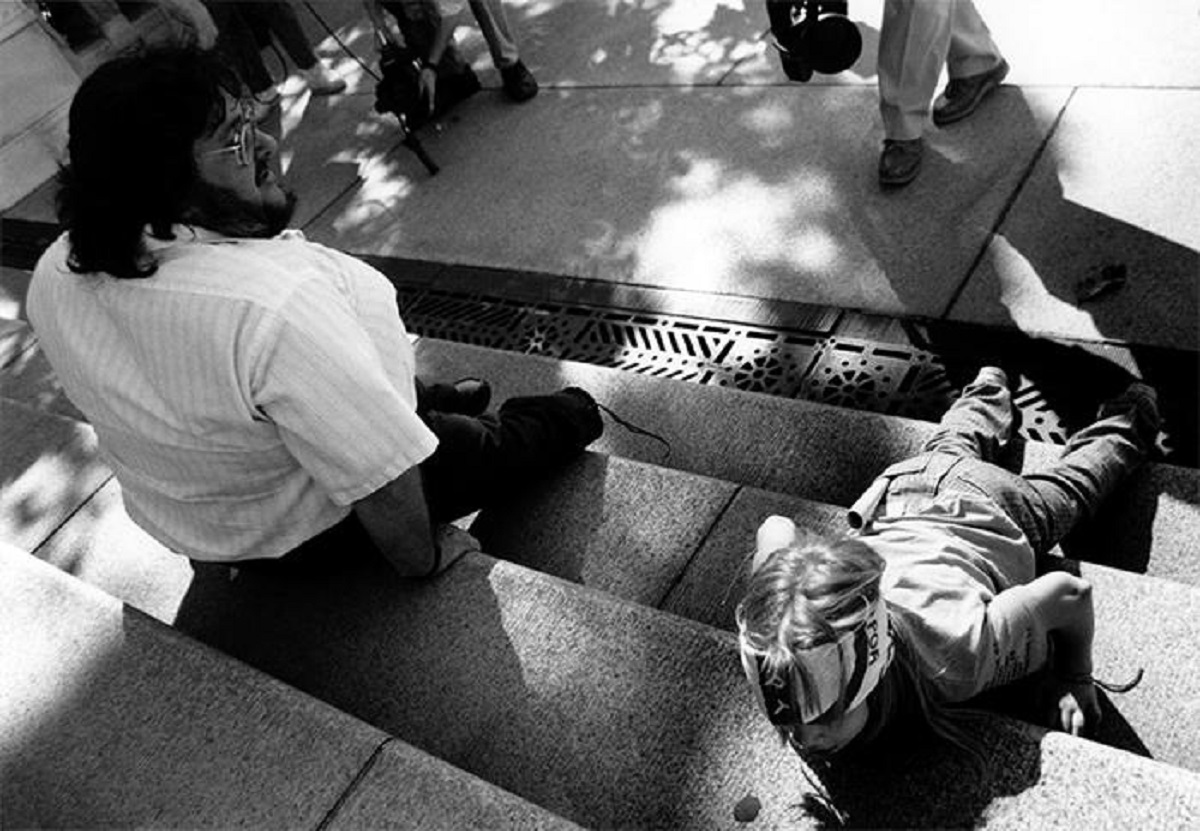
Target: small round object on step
747, 808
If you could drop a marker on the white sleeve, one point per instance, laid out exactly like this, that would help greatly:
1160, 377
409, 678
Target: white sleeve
321, 381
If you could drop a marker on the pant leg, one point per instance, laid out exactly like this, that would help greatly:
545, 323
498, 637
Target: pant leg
978, 424
418, 22
972, 49
1094, 463
914, 41
237, 44
480, 460
493, 23
1047, 504
281, 20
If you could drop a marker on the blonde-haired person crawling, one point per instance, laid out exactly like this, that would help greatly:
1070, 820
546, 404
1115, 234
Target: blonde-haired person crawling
933, 597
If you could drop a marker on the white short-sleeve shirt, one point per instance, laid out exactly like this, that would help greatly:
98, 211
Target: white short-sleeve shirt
245, 394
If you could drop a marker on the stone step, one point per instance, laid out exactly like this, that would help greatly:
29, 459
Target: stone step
322, 659
681, 542
112, 719
820, 452
614, 714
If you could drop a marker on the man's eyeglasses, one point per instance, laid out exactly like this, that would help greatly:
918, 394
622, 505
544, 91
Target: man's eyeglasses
242, 145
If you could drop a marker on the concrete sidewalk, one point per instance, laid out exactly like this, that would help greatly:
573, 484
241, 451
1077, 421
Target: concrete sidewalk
666, 149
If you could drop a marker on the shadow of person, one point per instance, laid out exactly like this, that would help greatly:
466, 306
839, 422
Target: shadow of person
1024, 700
507, 674
408, 657
607, 523
903, 784
1041, 247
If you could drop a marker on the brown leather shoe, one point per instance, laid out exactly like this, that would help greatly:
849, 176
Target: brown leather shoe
964, 95
900, 161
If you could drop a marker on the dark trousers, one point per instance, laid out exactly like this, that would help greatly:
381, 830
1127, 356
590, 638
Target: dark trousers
1045, 504
244, 28
479, 461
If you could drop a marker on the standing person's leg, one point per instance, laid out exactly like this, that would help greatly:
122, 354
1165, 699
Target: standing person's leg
519, 83
281, 20
974, 63
480, 460
237, 43
914, 41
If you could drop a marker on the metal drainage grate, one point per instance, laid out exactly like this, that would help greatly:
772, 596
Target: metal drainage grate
844, 372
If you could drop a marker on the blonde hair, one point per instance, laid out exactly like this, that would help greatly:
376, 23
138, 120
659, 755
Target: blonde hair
813, 592
809, 593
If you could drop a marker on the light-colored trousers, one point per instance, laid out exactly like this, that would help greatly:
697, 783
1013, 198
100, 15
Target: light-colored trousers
493, 24
917, 38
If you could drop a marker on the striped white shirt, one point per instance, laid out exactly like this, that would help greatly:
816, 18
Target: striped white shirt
245, 394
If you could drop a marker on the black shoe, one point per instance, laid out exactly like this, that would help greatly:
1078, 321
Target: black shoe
589, 424
519, 83
454, 89
468, 396
900, 161
964, 95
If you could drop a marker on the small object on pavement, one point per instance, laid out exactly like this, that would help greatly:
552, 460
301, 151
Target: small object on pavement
1102, 281
747, 808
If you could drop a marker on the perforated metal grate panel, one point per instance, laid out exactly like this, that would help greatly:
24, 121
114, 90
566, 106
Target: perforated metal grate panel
845, 372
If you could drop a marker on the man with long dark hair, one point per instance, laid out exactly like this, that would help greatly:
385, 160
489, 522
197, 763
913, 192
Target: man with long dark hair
254, 392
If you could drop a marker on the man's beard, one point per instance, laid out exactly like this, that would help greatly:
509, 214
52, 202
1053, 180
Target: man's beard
225, 212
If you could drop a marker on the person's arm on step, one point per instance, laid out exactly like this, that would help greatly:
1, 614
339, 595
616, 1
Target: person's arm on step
397, 520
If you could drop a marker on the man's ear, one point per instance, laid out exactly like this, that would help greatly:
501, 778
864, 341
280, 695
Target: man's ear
775, 533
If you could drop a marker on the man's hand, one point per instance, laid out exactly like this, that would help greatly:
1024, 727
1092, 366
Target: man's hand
452, 543
1070, 705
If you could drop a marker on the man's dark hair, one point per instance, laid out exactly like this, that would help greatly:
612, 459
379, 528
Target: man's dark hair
133, 124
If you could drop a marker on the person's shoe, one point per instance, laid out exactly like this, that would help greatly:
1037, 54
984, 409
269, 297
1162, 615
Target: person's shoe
321, 81
472, 396
455, 88
1140, 401
963, 96
992, 374
467, 396
900, 161
588, 424
519, 83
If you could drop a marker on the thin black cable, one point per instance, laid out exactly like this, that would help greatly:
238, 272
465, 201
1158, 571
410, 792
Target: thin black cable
633, 428
339, 41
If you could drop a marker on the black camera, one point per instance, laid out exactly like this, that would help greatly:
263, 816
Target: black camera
813, 36
399, 92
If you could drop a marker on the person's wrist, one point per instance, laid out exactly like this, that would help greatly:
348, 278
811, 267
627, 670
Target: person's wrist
450, 543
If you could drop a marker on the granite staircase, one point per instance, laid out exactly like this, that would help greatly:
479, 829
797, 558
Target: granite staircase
581, 671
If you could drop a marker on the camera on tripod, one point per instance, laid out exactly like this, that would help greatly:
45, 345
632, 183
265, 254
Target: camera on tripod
813, 36
399, 92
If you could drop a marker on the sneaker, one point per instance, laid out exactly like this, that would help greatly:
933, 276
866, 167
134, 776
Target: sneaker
900, 161
992, 374
320, 79
519, 83
1140, 401
963, 95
